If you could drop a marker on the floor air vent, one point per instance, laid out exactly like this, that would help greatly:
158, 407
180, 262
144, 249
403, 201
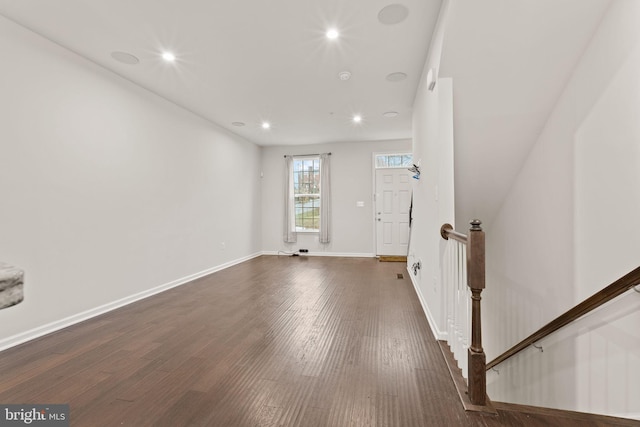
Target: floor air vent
399, 276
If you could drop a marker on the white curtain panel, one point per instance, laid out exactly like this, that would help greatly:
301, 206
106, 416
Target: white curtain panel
290, 235
325, 198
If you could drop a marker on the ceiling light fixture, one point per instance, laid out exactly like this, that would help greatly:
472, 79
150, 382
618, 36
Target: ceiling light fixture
390, 114
344, 75
168, 56
357, 118
125, 58
266, 125
238, 124
332, 34
393, 14
396, 77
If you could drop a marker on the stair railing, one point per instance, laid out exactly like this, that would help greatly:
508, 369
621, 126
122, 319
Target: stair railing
617, 288
464, 263
473, 270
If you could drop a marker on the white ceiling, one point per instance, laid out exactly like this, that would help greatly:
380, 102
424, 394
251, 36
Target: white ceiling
254, 60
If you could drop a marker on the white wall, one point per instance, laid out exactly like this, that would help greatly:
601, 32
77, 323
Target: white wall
433, 194
567, 229
352, 181
607, 236
109, 190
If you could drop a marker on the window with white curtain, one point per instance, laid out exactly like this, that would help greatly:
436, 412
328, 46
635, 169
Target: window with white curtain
307, 197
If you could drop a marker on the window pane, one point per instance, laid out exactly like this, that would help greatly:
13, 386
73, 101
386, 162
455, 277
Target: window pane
307, 194
393, 160
307, 209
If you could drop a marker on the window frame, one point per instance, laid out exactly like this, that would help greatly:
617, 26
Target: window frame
317, 196
393, 154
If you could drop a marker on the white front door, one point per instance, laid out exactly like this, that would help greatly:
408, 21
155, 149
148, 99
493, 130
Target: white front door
393, 198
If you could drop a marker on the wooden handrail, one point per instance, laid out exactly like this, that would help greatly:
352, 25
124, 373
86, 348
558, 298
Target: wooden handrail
615, 289
447, 231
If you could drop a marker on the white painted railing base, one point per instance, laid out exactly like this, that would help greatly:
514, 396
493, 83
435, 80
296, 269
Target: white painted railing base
458, 301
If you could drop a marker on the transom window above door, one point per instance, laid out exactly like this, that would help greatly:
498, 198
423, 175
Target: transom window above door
398, 160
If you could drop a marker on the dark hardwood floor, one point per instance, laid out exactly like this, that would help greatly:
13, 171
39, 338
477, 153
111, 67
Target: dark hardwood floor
275, 341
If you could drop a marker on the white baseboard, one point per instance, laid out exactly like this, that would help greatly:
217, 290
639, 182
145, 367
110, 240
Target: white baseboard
333, 254
630, 415
88, 314
439, 335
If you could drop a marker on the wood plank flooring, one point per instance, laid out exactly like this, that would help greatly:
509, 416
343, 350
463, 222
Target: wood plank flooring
275, 341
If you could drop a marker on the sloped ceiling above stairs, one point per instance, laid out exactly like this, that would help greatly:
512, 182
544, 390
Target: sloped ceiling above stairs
510, 61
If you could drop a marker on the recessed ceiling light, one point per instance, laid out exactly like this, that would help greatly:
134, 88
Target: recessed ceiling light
266, 125
238, 124
357, 118
125, 58
390, 114
344, 75
168, 56
396, 77
393, 14
332, 34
